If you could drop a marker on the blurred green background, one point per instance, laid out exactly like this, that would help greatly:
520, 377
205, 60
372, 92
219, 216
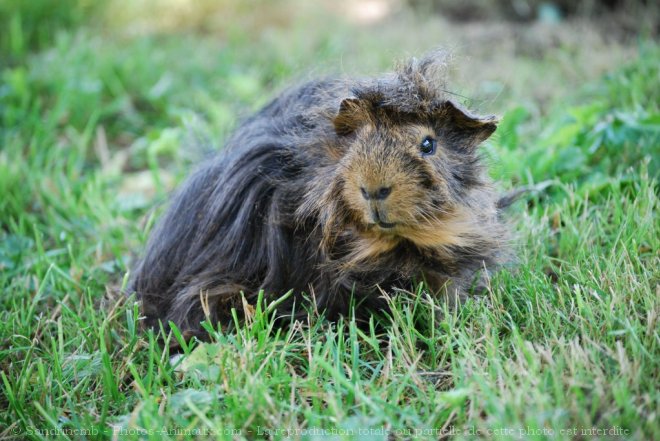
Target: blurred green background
105, 106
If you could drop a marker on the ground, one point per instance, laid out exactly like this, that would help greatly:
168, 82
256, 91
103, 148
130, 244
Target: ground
105, 109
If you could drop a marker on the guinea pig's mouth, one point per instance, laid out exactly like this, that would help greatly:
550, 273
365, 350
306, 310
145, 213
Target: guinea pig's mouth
379, 217
386, 225
383, 225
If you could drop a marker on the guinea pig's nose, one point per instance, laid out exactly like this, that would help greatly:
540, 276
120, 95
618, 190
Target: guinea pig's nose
378, 194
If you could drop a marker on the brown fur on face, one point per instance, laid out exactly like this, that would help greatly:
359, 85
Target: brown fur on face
420, 203
332, 188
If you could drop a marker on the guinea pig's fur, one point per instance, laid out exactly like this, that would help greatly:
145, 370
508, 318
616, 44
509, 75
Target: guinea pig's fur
337, 188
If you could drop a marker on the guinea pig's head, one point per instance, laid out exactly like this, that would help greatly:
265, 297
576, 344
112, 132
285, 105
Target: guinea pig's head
406, 174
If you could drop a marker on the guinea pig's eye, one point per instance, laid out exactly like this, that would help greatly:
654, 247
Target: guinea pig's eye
427, 146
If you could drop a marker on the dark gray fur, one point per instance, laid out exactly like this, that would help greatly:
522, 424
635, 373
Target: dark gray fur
267, 212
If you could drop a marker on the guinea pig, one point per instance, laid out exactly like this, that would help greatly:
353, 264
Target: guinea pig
338, 189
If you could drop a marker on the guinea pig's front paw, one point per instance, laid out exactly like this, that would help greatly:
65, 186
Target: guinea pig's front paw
456, 293
480, 285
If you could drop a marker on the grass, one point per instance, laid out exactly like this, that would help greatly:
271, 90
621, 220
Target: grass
564, 346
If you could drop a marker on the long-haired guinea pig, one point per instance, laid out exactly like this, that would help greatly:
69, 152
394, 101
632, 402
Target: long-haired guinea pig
337, 189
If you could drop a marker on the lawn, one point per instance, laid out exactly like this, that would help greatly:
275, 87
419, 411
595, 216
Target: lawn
101, 118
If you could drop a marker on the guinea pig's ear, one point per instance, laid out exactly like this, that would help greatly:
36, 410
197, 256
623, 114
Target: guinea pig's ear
466, 129
352, 115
